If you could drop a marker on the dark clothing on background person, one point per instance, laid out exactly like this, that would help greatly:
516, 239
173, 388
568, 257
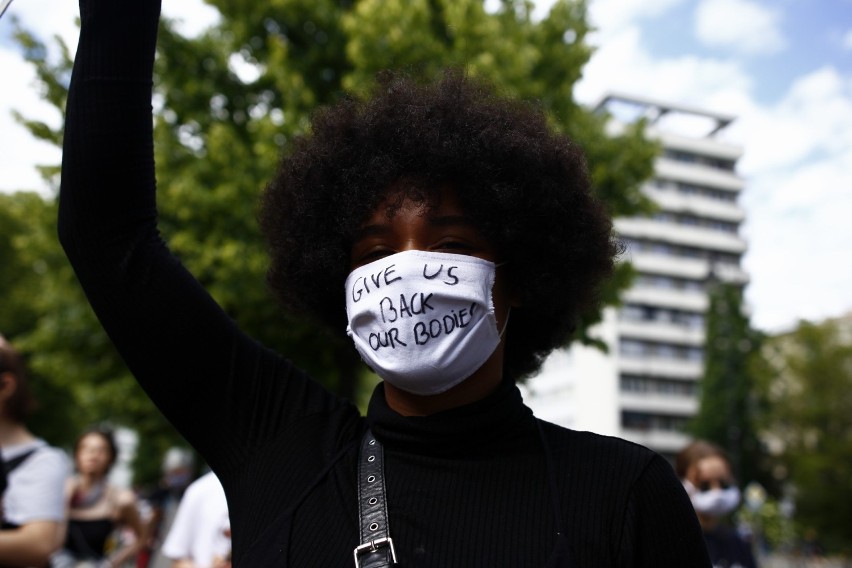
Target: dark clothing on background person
727, 549
87, 539
472, 486
164, 503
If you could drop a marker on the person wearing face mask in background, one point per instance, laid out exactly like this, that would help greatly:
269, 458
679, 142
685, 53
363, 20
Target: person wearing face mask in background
455, 236
706, 473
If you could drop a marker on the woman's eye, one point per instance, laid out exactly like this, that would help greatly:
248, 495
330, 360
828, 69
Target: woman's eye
374, 254
454, 246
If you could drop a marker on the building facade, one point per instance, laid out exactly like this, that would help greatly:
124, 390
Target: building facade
645, 389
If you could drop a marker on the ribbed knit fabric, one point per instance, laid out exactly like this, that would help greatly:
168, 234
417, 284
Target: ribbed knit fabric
468, 487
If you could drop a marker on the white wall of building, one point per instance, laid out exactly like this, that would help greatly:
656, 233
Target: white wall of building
661, 332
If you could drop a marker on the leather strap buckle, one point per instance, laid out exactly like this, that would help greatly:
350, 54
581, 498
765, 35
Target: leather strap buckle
374, 546
373, 511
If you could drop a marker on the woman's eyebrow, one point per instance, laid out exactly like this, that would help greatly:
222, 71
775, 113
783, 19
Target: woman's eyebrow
380, 229
450, 220
372, 230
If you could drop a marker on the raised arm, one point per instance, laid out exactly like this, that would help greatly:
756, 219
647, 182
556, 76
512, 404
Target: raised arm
225, 393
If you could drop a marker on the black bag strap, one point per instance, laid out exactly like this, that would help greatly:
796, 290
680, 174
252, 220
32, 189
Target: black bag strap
6, 467
10, 465
376, 549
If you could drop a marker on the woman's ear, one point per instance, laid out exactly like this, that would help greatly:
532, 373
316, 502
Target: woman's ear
8, 386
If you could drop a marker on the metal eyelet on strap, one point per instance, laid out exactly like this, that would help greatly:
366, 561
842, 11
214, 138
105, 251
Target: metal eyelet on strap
376, 549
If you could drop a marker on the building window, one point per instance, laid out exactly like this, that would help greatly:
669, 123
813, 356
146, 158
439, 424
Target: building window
646, 280
635, 421
646, 313
631, 348
695, 221
645, 421
663, 386
639, 349
690, 158
680, 251
703, 191
684, 188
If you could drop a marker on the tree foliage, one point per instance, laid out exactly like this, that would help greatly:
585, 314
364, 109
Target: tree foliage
227, 103
807, 377
728, 402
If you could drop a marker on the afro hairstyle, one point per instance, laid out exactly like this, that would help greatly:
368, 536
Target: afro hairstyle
524, 186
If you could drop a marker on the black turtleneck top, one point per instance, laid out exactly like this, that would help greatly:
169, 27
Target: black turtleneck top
482, 485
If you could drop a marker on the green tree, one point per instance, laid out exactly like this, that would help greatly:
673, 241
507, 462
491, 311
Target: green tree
806, 375
228, 102
728, 401
78, 378
76, 375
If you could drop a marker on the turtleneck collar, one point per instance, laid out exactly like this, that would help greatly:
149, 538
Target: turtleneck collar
492, 424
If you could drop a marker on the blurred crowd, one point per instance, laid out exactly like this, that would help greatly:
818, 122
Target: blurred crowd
63, 511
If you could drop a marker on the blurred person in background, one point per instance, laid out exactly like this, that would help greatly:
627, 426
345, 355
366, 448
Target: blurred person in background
99, 512
706, 472
33, 508
200, 536
178, 472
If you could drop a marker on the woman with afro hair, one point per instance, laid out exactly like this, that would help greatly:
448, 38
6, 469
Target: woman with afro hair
454, 237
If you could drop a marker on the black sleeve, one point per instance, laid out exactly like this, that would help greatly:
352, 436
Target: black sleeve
660, 527
225, 393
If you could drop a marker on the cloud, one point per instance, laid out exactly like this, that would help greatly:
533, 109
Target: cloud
192, 16
799, 201
19, 151
615, 15
846, 42
623, 64
45, 18
796, 151
742, 26
812, 120
798, 230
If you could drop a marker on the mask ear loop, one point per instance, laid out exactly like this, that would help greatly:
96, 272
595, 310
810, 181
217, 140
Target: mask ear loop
509, 312
505, 323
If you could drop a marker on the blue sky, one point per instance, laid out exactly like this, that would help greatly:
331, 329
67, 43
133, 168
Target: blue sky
797, 37
782, 67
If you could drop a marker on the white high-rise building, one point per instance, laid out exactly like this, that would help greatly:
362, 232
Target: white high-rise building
645, 388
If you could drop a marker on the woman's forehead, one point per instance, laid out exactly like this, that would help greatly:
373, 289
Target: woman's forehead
427, 198
712, 467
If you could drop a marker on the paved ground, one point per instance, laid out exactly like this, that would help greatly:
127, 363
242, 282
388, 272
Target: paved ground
777, 561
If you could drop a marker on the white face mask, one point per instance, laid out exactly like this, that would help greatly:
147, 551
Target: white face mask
423, 321
713, 502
